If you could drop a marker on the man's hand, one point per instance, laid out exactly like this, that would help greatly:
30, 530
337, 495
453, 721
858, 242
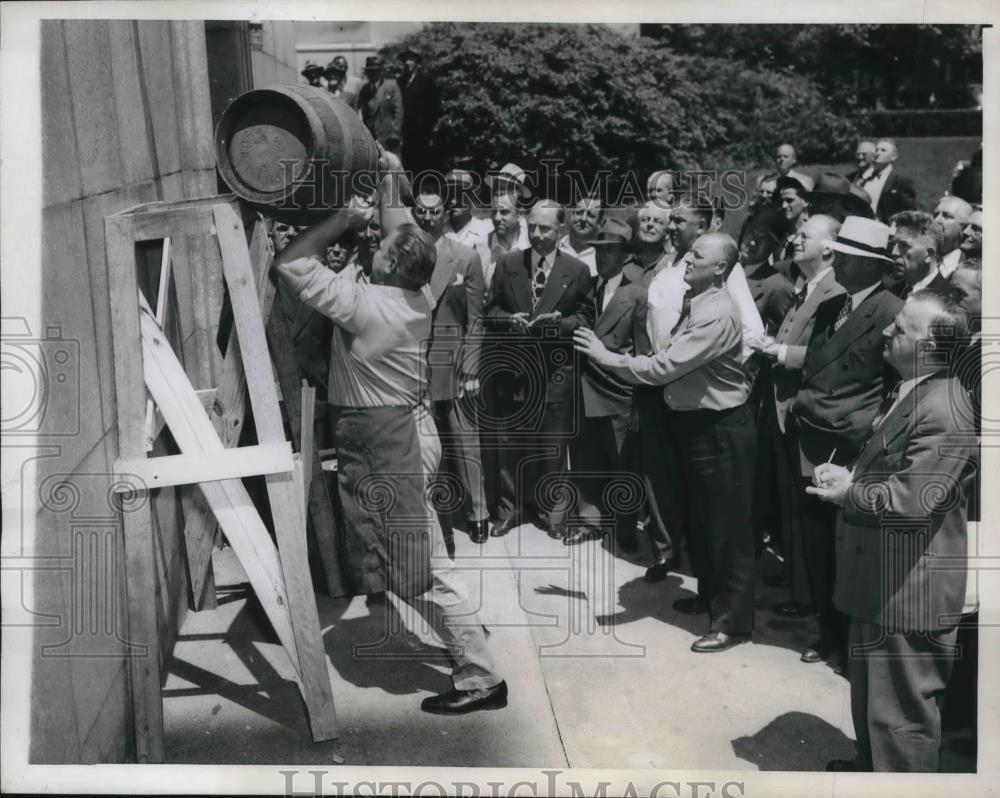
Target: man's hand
468, 386
519, 321
832, 483
584, 340
360, 212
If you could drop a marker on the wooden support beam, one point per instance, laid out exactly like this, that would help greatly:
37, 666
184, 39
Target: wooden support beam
137, 522
307, 447
284, 491
185, 469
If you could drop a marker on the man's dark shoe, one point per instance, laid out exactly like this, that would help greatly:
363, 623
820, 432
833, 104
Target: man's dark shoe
557, 532
792, 609
461, 702
846, 766
820, 651
717, 641
541, 520
777, 580
479, 531
502, 527
580, 534
692, 605
657, 573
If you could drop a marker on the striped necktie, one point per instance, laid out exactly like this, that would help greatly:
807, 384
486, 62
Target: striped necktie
845, 311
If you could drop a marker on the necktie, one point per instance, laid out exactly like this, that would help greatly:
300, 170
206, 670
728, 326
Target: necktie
800, 296
685, 312
845, 311
538, 285
601, 285
885, 407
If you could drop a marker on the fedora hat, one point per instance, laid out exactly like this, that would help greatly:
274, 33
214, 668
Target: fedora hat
865, 238
510, 175
802, 184
410, 53
338, 66
770, 218
460, 177
836, 195
613, 231
311, 68
373, 62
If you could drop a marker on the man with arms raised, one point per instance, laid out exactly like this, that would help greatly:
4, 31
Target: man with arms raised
702, 380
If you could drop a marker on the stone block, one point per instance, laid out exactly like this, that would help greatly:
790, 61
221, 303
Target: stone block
60, 160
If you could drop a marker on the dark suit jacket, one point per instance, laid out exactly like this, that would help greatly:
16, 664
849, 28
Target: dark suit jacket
421, 108
547, 349
898, 194
459, 289
382, 109
905, 508
795, 331
843, 377
772, 292
604, 394
940, 285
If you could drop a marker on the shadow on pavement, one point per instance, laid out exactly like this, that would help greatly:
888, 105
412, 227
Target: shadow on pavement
795, 741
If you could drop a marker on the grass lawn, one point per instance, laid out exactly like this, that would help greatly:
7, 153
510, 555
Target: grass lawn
929, 162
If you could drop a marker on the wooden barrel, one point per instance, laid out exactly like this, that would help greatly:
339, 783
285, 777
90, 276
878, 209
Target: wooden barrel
295, 152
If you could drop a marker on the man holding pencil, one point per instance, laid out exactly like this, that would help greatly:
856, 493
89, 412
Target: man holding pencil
844, 380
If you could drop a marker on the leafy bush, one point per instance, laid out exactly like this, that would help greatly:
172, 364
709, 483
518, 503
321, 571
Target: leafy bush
599, 100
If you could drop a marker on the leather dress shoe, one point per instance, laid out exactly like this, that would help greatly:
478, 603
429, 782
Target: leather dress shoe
461, 702
692, 605
777, 580
580, 534
557, 532
479, 531
657, 573
819, 651
502, 527
792, 609
542, 522
717, 641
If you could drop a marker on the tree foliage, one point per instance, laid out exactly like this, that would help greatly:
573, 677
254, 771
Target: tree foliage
599, 100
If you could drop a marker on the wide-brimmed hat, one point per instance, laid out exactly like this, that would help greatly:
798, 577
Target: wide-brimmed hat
311, 68
460, 177
803, 184
410, 53
836, 189
866, 238
373, 62
613, 231
338, 66
510, 175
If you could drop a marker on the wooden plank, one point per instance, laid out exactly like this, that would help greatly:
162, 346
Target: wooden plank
184, 469
284, 490
306, 436
320, 501
228, 412
228, 499
140, 569
183, 221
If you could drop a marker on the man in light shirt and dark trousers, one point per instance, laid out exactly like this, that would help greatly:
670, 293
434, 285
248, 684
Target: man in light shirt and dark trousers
706, 390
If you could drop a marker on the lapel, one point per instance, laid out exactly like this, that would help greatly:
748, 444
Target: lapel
828, 287
755, 279
858, 323
444, 269
555, 285
615, 310
520, 282
895, 424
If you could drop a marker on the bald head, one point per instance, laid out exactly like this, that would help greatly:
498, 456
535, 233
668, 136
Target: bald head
660, 188
544, 223
709, 261
952, 213
724, 248
785, 158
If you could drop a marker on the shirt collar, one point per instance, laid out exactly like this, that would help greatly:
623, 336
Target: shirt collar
612, 282
817, 278
928, 279
708, 293
549, 259
863, 294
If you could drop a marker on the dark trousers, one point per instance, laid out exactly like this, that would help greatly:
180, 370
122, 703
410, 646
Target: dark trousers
897, 684
654, 446
461, 462
790, 495
818, 528
716, 453
766, 504
605, 493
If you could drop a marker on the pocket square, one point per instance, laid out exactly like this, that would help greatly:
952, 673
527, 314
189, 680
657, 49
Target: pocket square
459, 279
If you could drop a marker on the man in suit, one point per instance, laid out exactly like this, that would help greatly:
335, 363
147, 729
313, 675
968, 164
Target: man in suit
705, 387
843, 382
903, 512
953, 214
787, 353
421, 109
380, 103
863, 157
916, 246
598, 452
890, 191
538, 297
453, 357
649, 244
785, 161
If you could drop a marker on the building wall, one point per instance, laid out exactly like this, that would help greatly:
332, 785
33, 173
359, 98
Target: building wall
272, 48
126, 119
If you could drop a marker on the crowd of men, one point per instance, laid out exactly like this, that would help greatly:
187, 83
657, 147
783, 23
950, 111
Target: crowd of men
809, 387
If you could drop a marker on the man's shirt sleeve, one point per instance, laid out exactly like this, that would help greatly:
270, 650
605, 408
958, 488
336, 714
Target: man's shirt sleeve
342, 300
